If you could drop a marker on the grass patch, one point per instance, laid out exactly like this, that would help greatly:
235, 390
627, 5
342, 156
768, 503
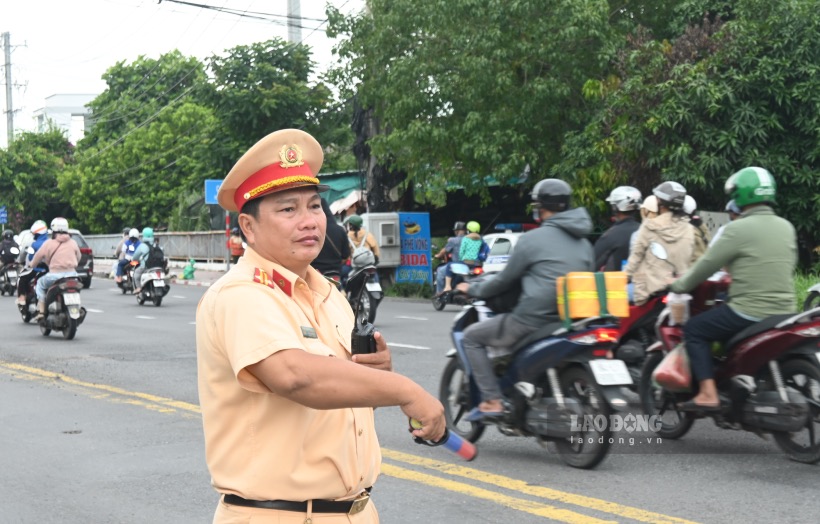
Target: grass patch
802, 283
409, 289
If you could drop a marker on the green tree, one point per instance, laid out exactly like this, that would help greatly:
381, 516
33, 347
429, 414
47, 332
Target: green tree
28, 176
470, 89
718, 98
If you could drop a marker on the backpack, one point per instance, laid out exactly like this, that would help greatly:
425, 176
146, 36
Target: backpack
362, 256
156, 257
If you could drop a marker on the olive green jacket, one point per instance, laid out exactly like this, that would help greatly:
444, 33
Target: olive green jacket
759, 250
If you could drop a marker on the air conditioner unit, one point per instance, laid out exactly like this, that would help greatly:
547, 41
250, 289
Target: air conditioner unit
387, 234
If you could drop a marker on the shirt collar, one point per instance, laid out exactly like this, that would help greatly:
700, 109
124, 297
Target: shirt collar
285, 279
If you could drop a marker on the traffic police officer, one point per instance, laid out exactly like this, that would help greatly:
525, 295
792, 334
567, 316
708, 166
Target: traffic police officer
287, 410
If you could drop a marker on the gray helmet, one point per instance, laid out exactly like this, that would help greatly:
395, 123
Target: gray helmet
625, 198
671, 195
459, 226
552, 194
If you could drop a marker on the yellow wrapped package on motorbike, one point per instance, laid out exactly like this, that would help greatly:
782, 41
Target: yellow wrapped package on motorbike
586, 294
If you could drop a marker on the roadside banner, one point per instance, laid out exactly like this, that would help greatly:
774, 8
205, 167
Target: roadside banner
415, 264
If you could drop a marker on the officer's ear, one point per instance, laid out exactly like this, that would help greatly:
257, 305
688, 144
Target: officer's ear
246, 224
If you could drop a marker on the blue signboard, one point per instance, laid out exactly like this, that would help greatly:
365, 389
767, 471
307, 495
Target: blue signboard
211, 189
4, 216
414, 233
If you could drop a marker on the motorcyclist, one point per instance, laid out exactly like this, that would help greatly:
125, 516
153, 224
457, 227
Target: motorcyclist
472, 251
449, 253
6, 256
141, 255
38, 235
760, 252
612, 249
236, 245
734, 214
62, 254
336, 249
702, 235
672, 231
128, 249
541, 255
356, 233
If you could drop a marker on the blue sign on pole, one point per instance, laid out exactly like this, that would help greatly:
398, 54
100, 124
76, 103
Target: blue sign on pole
415, 265
211, 190
4, 217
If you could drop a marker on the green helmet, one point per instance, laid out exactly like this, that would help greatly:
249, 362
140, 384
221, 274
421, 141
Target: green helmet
751, 185
355, 220
473, 226
147, 234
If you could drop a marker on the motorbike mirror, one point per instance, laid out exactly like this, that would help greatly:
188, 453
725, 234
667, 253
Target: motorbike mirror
30, 250
14, 251
459, 269
658, 250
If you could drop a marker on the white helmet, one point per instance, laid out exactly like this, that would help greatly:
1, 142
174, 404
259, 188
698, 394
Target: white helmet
625, 198
689, 205
38, 227
59, 225
134, 233
670, 194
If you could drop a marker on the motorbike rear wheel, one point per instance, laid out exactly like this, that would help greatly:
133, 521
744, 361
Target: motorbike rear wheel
454, 394
812, 301
157, 300
587, 448
661, 404
803, 446
71, 328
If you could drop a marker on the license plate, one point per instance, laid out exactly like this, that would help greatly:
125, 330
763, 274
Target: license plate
610, 372
159, 283
11, 274
373, 286
71, 299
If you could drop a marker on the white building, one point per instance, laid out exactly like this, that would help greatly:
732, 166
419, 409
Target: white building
68, 112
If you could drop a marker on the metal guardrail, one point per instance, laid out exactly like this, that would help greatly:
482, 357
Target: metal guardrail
202, 246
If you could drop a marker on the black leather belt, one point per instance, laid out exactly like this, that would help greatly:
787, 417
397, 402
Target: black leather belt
351, 507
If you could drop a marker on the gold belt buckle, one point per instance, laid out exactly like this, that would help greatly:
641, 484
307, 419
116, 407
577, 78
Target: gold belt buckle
359, 504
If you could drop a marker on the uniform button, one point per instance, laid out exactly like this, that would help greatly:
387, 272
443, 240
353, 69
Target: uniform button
360, 432
361, 478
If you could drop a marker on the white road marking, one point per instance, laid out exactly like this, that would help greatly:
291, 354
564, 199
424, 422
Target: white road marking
94, 310
192, 323
413, 318
178, 296
410, 346
146, 318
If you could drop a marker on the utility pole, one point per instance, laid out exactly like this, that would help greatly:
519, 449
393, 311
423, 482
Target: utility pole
9, 109
294, 22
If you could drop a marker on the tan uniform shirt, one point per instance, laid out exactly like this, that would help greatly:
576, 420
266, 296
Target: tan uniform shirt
259, 445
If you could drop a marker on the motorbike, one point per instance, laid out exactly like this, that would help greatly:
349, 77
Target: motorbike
29, 309
64, 311
452, 297
767, 375
127, 282
636, 333
8, 275
153, 286
556, 377
365, 301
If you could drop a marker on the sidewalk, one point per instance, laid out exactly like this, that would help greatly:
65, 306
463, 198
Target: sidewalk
202, 277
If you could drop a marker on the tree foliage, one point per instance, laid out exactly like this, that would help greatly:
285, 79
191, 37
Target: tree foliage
470, 89
28, 176
717, 98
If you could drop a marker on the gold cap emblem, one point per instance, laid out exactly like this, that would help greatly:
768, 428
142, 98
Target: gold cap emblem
291, 156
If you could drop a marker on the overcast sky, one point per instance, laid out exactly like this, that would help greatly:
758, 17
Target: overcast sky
60, 46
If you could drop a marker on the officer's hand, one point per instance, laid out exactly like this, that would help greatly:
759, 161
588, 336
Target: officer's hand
381, 359
428, 410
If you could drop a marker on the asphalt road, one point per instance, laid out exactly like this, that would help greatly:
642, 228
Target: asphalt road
106, 429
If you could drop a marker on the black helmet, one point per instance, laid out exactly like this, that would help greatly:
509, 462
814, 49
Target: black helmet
553, 194
671, 194
235, 231
125, 230
8, 234
459, 226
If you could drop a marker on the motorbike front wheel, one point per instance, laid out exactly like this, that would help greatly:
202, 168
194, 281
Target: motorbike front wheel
585, 449
454, 394
439, 301
46, 331
661, 404
803, 446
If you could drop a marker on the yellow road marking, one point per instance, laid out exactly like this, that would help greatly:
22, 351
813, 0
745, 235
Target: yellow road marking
167, 405
527, 506
538, 491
